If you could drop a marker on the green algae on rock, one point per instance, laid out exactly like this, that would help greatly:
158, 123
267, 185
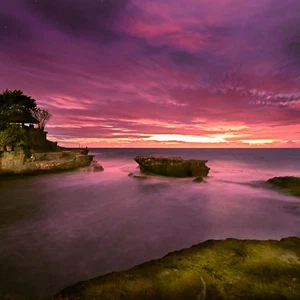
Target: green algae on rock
289, 184
224, 269
172, 166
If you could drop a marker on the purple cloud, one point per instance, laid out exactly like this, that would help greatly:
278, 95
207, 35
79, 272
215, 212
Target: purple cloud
140, 68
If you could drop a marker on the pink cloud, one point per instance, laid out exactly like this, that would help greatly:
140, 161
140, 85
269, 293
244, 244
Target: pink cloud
162, 72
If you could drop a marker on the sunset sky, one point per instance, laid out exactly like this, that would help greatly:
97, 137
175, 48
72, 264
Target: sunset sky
157, 73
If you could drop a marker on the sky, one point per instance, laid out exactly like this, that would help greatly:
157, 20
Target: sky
157, 73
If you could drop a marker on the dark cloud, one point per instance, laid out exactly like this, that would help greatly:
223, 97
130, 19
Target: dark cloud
184, 57
149, 49
81, 18
294, 49
174, 66
13, 29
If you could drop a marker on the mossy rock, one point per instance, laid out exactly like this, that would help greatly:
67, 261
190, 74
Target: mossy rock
225, 269
289, 184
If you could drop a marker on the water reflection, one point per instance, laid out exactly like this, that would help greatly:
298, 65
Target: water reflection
58, 229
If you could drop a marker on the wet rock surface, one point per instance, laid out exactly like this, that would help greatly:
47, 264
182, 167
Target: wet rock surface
172, 166
138, 176
223, 269
96, 167
198, 179
289, 184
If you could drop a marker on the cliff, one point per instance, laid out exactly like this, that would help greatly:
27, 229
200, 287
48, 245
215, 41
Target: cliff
30, 152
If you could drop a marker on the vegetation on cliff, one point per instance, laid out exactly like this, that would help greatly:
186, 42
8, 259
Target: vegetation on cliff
17, 109
14, 135
15, 101
43, 116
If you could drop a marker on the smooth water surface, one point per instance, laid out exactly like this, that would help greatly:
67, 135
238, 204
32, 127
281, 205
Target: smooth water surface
58, 229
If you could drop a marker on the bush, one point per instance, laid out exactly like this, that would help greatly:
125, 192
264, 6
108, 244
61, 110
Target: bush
14, 135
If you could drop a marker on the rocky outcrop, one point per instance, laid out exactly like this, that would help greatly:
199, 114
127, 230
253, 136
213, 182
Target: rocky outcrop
225, 269
96, 167
172, 166
138, 176
18, 162
198, 179
289, 184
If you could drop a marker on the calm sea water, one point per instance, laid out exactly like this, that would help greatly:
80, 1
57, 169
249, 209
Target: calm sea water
58, 229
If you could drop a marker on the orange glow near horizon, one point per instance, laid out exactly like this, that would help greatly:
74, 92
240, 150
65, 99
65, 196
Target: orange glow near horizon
176, 141
220, 135
159, 73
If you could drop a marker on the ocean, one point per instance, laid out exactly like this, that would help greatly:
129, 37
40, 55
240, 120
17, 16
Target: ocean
58, 229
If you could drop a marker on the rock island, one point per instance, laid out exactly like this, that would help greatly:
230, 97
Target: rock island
172, 166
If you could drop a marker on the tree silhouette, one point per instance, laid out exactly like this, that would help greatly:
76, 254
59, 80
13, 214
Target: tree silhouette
15, 106
15, 102
43, 116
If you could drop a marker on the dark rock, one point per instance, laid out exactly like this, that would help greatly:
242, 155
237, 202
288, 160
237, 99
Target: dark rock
97, 168
137, 176
198, 179
172, 166
289, 184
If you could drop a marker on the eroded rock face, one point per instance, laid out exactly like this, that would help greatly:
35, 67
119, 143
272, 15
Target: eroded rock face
16, 162
172, 166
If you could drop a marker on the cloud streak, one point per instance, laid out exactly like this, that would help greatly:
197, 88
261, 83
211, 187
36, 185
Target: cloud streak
146, 73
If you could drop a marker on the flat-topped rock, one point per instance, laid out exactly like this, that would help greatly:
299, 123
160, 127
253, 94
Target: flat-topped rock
172, 166
17, 162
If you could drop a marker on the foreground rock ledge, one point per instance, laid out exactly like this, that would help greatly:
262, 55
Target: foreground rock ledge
225, 269
172, 166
